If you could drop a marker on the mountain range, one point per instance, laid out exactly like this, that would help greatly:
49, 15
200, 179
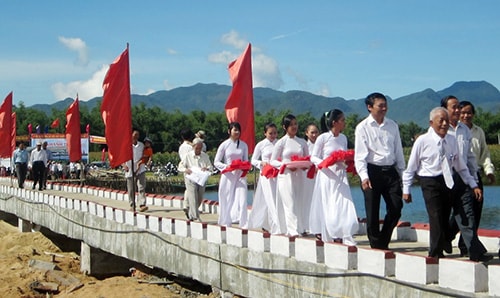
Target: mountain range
212, 98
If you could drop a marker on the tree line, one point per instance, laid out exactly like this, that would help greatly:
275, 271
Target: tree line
163, 127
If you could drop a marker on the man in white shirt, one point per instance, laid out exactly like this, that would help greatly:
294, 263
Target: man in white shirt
195, 160
379, 161
482, 154
138, 176
38, 160
463, 218
434, 153
186, 146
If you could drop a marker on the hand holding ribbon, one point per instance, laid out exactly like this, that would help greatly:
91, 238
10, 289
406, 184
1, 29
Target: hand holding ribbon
269, 171
346, 156
238, 164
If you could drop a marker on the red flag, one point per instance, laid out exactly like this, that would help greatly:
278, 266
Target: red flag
30, 129
116, 110
6, 126
55, 123
87, 128
13, 134
73, 133
239, 105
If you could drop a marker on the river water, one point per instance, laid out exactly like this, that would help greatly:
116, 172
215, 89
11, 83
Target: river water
415, 212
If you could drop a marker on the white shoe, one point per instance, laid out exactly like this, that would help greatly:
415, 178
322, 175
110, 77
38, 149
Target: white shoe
349, 241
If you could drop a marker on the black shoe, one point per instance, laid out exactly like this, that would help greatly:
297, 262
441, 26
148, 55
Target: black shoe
464, 252
186, 212
447, 247
482, 258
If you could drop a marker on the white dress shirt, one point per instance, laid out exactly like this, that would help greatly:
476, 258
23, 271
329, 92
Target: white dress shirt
425, 161
480, 149
464, 140
38, 155
378, 145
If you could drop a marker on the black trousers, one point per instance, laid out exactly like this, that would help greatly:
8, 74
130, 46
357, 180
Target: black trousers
386, 183
477, 209
438, 203
463, 218
38, 172
21, 170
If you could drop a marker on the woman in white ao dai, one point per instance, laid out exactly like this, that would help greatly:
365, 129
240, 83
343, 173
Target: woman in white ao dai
333, 214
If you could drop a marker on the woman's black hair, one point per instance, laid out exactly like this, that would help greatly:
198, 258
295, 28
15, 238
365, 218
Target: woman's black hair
328, 118
187, 134
238, 127
269, 125
287, 120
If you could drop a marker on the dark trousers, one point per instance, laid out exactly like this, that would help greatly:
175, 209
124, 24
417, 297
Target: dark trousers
437, 199
38, 172
386, 183
463, 218
21, 170
477, 208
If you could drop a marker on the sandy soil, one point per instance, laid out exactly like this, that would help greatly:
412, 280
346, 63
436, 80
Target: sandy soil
17, 277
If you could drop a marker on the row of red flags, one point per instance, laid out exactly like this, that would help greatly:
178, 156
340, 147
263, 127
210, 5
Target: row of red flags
116, 105
8, 129
116, 111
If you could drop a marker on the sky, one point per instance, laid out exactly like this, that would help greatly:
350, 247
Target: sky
51, 50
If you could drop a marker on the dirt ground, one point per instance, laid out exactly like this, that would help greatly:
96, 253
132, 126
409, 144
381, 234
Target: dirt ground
23, 273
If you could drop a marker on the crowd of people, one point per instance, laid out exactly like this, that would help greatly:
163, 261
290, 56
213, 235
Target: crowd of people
40, 166
303, 187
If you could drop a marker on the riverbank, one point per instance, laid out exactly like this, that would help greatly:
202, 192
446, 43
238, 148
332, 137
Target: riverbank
20, 279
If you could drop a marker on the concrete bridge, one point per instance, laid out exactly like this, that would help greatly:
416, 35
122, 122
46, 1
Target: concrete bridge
249, 263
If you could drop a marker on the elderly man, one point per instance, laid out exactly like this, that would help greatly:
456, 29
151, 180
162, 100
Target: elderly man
135, 172
433, 157
195, 162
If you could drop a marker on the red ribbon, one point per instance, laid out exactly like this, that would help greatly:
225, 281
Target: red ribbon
269, 171
346, 156
238, 164
312, 169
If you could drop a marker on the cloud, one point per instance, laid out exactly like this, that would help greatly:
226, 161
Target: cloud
281, 36
265, 69
233, 39
86, 89
167, 85
223, 57
79, 46
149, 91
172, 52
324, 90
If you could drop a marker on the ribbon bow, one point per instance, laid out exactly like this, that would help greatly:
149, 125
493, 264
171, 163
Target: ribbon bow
269, 171
346, 156
312, 169
238, 164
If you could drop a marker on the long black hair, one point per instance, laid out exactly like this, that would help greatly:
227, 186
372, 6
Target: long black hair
287, 120
238, 127
328, 118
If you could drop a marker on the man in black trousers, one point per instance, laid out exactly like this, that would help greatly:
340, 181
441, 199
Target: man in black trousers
379, 161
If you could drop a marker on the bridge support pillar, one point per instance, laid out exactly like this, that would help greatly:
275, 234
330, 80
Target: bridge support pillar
23, 225
99, 263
